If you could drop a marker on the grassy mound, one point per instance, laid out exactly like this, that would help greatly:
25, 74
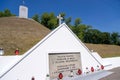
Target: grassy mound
20, 33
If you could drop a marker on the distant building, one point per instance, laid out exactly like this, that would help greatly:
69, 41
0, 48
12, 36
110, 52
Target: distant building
23, 11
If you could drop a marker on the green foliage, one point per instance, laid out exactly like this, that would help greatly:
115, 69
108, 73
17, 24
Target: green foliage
80, 30
77, 21
92, 36
36, 17
6, 13
115, 38
49, 20
68, 21
105, 38
84, 32
1, 14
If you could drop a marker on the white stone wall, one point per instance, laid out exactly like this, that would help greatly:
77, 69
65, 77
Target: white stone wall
36, 61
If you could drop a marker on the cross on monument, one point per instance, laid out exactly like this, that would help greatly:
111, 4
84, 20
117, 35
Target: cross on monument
60, 18
23, 2
23, 10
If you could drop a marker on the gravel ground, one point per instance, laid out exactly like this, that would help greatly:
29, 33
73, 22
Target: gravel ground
114, 76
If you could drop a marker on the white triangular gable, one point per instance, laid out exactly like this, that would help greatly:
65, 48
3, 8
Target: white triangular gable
35, 62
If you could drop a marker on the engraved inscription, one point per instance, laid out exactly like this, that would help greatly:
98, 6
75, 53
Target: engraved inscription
63, 63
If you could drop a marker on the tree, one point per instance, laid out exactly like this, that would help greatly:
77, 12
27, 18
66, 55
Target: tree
49, 20
83, 31
1, 14
80, 31
77, 21
36, 17
6, 13
115, 38
68, 21
106, 38
92, 36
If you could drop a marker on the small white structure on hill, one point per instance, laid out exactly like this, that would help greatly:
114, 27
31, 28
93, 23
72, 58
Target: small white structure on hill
59, 53
23, 11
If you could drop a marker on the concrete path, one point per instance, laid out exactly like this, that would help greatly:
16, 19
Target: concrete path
114, 76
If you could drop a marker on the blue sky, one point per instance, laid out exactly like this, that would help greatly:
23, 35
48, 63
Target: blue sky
101, 14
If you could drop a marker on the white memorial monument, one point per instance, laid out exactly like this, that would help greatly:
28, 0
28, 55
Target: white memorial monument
59, 55
23, 11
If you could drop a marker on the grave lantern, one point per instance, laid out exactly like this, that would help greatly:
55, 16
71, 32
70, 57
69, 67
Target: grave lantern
16, 51
71, 73
1, 51
92, 69
32, 78
87, 70
60, 76
98, 68
47, 77
79, 72
102, 67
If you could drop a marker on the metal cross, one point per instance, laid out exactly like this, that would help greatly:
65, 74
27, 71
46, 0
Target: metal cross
60, 19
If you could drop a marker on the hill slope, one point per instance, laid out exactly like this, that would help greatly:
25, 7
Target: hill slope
105, 50
20, 33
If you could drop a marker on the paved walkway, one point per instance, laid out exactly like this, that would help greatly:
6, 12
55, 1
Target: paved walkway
114, 76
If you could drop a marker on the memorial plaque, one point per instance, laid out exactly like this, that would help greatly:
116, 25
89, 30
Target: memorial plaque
63, 63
